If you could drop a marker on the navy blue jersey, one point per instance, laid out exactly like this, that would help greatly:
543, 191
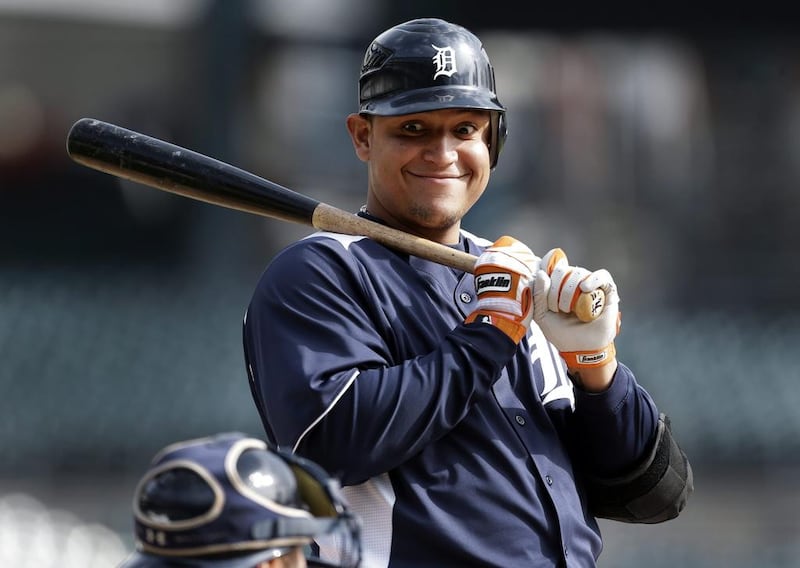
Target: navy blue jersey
456, 446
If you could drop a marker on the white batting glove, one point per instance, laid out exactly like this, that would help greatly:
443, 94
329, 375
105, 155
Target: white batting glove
556, 288
503, 282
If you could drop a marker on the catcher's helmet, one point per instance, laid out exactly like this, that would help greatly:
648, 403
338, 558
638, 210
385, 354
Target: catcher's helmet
228, 501
430, 64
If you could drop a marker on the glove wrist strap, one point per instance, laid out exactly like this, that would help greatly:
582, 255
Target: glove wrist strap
511, 328
589, 359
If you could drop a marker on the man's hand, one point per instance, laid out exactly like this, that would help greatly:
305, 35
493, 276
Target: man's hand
556, 288
503, 282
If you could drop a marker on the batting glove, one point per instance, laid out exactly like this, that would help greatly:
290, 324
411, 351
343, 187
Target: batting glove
503, 282
556, 288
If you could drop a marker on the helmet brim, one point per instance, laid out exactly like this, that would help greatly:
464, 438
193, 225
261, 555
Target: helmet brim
432, 98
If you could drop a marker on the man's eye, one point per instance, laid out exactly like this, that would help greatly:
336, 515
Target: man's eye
467, 129
412, 127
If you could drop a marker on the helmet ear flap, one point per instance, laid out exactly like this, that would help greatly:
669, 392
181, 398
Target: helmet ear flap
499, 133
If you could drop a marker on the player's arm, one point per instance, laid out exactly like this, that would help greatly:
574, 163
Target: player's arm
655, 490
636, 470
328, 380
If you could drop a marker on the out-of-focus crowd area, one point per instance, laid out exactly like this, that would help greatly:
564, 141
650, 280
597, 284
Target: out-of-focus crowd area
663, 146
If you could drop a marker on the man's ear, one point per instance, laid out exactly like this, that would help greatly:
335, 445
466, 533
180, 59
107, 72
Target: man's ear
359, 128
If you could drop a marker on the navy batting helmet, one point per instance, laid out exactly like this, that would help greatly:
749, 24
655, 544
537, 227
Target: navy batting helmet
430, 64
228, 501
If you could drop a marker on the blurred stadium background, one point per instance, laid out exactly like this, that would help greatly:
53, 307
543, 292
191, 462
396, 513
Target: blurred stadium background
662, 145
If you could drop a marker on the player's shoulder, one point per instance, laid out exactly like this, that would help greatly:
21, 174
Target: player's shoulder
324, 250
321, 243
317, 262
329, 239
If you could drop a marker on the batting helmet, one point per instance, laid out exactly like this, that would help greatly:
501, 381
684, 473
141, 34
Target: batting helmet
227, 501
430, 64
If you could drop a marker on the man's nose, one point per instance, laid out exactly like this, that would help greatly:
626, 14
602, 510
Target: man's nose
441, 148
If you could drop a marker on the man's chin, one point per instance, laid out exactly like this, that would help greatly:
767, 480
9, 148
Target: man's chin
436, 219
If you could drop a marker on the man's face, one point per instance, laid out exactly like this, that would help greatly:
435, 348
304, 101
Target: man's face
426, 170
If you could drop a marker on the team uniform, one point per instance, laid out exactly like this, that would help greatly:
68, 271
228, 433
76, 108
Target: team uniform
359, 360
459, 442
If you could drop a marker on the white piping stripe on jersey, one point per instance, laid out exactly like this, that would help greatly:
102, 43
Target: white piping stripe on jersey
345, 240
327, 410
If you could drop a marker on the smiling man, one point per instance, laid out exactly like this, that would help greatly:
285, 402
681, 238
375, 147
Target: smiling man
472, 418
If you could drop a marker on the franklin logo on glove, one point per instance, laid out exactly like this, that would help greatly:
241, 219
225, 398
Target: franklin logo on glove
592, 359
493, 282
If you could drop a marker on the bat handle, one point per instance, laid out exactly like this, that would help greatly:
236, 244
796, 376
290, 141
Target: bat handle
588, 307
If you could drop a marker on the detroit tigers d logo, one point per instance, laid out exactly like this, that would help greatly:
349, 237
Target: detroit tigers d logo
445, 61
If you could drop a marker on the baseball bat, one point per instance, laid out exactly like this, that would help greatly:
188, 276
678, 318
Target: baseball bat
159, 164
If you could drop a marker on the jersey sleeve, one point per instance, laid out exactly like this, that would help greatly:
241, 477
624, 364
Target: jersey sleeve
634, 469
614, 428
324, 352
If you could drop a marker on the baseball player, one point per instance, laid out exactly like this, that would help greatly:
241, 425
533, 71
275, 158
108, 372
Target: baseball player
228, 501
473, 419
